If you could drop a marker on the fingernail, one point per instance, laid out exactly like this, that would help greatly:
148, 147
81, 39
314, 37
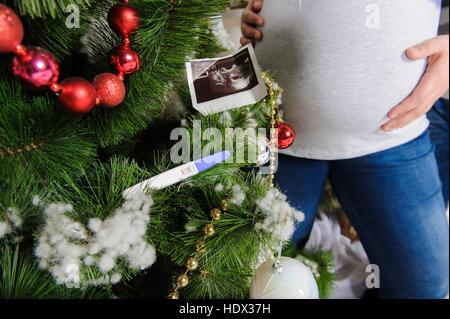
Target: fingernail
393, 115
389, 128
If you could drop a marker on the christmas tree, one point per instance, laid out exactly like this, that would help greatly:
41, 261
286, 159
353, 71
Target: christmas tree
66, 230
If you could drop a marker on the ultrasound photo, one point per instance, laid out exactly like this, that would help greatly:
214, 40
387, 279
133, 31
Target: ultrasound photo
220, 84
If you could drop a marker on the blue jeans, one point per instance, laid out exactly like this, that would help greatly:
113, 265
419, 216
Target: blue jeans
394, 199
439, 136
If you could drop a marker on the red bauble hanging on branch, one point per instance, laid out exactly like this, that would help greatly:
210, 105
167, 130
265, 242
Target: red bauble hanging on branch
77, 95
125, 59
11, 30
286, 135
123, 19
110, 89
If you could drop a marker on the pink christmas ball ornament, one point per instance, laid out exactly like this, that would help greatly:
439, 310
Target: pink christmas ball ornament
36, 69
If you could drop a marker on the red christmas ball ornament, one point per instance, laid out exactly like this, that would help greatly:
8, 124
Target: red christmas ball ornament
11, 30
125, 59
36, 68
110, 89
123, 19
286, 135
77, 95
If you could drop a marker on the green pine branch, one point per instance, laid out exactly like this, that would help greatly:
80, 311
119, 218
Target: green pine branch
45, 8
38, 139
21, 278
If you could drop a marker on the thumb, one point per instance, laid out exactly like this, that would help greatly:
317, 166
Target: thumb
424, 49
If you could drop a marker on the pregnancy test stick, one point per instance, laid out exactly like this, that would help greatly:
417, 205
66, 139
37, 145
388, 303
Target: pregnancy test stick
178, 174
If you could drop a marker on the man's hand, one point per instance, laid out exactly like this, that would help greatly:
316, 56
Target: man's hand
250, 20
434, 83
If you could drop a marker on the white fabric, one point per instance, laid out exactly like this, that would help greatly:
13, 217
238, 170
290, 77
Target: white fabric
349, 257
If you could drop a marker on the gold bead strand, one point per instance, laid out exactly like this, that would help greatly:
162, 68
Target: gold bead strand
192, 262
275, 114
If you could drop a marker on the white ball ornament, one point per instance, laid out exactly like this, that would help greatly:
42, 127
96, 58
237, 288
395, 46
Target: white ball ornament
263, 151
288, 280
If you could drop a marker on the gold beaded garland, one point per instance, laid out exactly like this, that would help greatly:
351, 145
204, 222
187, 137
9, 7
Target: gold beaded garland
201, 247
192, 263
182, 281
209, 229
216, 214
173, 295
224, 205
275, 118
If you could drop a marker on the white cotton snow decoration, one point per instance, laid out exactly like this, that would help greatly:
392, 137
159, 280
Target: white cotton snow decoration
12, 224
115, 278
219, 188
65, 245
36, 201
190, 229
5, 229
280, 217
294, 281
238, 195
95, 224
14, 218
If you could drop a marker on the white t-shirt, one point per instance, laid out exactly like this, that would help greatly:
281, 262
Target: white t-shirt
343, 67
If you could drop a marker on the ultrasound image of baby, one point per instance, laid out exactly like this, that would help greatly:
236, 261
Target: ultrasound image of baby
224, 77
226, 83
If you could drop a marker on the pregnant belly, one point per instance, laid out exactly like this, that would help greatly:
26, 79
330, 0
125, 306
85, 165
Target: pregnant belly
328, 83
353, 101
336, 71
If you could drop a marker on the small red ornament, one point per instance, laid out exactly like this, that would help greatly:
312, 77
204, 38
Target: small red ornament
36, 68
78, 95
110, 89
286, 135
125, 59
123, 19
11, 30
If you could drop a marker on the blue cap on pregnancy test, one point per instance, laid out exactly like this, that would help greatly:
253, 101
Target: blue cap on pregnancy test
209, 161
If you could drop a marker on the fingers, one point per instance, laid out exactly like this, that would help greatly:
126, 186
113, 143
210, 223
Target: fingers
432, 85
251, 32
251, 20
428, 48
417, 104
245, 41
403, 120
423, 91
250, 17
429, 89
